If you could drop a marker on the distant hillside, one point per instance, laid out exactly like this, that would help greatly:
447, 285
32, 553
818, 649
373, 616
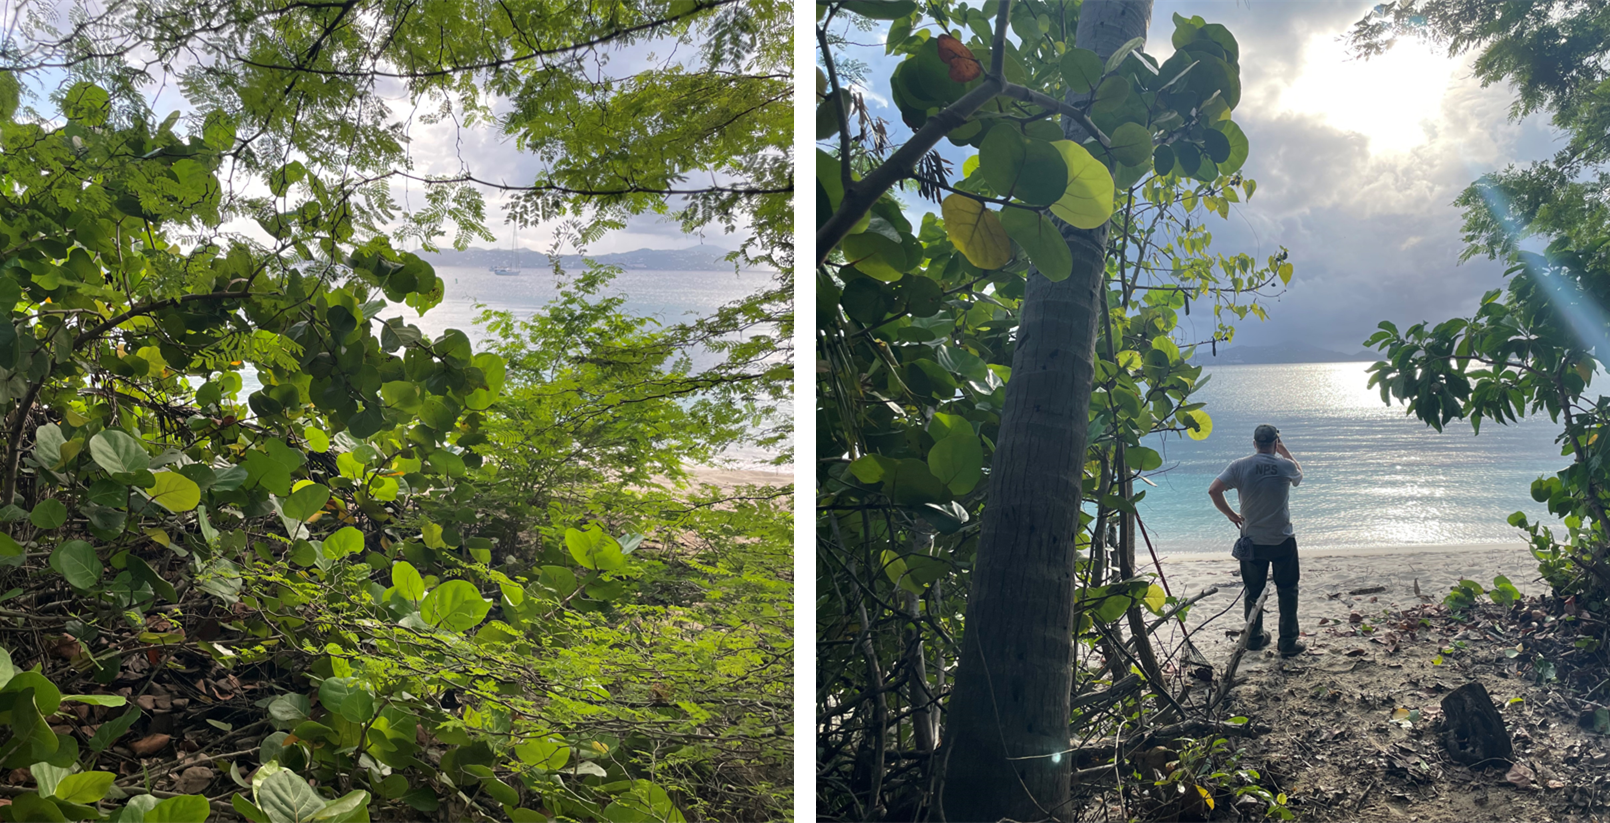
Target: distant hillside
698, 258
1295, 353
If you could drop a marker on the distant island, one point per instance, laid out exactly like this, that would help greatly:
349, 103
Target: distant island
697, 258
1294, 353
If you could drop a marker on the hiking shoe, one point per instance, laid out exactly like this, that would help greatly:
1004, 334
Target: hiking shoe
1259, 642
1293, 649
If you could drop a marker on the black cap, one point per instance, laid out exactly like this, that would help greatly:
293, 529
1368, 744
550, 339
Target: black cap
1265, 434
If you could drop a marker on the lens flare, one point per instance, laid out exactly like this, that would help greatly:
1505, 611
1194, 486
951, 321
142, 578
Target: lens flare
1586, 318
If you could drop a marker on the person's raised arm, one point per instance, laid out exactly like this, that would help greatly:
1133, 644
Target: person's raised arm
1280, 449
1216, 491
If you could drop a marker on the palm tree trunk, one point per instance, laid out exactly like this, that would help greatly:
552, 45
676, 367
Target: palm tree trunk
1008, 715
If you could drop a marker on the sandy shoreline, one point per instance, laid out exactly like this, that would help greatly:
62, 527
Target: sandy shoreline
733, 478
1328, 575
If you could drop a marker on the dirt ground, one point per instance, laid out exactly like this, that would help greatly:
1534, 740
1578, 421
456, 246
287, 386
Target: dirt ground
1355, 718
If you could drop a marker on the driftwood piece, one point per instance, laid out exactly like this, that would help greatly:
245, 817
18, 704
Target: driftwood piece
1240, 649
1472, 730
1098, 700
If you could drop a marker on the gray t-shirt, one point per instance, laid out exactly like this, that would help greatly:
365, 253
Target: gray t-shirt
1263, 482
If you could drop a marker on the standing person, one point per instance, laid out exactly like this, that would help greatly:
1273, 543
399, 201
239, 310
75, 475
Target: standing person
1263, 482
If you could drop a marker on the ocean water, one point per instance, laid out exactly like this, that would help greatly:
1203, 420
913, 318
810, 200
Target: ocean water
668, 296
1371, 475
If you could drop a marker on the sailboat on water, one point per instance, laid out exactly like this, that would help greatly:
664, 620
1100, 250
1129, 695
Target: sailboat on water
506, 271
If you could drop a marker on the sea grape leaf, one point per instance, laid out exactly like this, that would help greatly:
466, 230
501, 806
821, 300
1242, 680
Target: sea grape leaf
50, 513
977, 232
455, 605
186, 808
346, 541
84, 788
405, 578
175, 492
287, 798
77, 561
1038, 236
303, 503
958, 461
347, 697
1081, 69
1087, 201
1030, 170
118, 453
593, 549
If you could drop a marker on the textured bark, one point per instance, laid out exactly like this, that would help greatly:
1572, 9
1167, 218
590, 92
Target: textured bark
1008, 715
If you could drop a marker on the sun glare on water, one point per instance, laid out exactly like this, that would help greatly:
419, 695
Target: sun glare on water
1387, 99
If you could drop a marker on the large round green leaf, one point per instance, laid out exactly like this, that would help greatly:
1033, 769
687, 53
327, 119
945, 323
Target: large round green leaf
1199, 424
1087, 202
550, 753
186, 808
1081, 69
593, 549
1142, 458
1131, 144
77, 561
347, 540
175, 492
45, 694
455, 606
347, 697
1216, 145
1163, 160
1238, 146
406, 580
1111, 94
50, 513
84, 788
1030, 170
287, 798
879, 251
958, 461
118, 453
349, 807
1038, 236
1187, 158
977, 232
912, 484
305, 502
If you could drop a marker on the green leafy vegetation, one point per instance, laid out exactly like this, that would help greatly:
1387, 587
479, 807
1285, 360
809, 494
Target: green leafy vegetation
922, 311
394, 577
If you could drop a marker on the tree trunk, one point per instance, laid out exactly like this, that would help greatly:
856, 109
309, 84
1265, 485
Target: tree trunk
1008, 715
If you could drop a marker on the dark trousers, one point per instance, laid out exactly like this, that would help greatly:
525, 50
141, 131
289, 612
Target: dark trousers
1255, 573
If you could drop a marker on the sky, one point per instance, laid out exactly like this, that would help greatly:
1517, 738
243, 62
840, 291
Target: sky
1357, 165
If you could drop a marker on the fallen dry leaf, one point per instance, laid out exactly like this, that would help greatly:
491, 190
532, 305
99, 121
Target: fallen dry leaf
194, 779
1355, 617
1520, 775
150, 744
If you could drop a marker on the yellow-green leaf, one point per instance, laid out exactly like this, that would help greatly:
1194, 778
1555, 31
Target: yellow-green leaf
1155, 597
1204, 424
978, 233
1087, 203
175, 492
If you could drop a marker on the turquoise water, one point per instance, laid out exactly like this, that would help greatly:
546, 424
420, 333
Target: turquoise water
1371, 475
668, 296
